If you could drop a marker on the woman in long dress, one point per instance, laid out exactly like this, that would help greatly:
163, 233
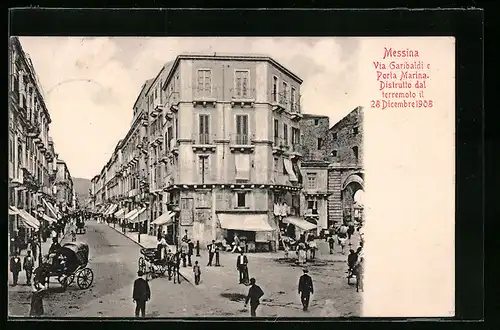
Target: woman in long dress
302, 253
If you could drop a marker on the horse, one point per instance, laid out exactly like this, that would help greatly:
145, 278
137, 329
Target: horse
174, 264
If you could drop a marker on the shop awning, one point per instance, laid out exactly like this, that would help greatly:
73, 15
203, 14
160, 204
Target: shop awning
289, 169
131, 214
51, 209
248, 222
120, 213
13, 210
136, 217
242, 164
299, 222
49, 219
164, 219
111, 209
28, 219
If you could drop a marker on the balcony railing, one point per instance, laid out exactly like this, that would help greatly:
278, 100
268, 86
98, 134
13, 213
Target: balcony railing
204, 142
173, 101
204, 138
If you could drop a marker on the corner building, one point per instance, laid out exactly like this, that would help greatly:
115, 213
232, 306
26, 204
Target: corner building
231, 148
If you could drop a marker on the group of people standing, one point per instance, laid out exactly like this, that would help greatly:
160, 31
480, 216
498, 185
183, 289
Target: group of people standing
305, 247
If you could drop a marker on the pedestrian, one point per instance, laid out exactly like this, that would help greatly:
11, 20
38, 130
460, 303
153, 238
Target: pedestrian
242, 267
359, 270
217, 255
73, 236
236, 243
352, 259
331, 243
301, 251
211, 252
28, 265
184, 251
254, 295
312, 248
197, 273
185, 237
37, 292
190, 251
305, 289
15, 268
141, 294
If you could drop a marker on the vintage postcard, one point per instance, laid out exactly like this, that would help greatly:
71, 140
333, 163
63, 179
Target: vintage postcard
169, 177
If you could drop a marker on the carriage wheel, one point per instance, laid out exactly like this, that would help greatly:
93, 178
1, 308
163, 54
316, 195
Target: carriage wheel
84, 278
142, 264
163, 269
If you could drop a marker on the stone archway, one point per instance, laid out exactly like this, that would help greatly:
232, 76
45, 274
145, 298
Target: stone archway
351, 185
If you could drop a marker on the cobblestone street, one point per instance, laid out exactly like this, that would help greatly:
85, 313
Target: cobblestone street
113, 258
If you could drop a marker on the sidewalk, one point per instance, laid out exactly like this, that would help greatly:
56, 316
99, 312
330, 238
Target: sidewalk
45, 249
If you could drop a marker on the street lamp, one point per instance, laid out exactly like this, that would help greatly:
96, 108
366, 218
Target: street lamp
40, 211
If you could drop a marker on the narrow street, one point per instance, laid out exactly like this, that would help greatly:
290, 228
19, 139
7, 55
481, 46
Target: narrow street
113, 259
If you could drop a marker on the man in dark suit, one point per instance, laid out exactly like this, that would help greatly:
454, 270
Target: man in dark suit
141, 294
211, 252
254, 294
305, 288
15, 268
242, 267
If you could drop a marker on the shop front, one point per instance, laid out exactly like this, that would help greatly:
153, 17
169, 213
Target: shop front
164, 225
295, 226
252, 229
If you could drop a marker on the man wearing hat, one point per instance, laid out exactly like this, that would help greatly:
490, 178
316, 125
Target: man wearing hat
141, 294
254, 295
305, 288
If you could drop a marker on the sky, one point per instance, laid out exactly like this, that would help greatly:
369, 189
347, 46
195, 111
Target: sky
90, 84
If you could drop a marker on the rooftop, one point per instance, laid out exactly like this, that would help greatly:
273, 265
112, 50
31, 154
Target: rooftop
312, 116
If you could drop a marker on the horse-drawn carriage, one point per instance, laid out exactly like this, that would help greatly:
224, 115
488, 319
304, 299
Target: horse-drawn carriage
68, 262
80, 226
151, 263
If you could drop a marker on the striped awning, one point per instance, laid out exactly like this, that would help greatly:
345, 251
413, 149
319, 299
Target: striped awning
120, 213
131, 214
136, 217
164, 219
13, 210
49, 219
111, 209
51, 209
28, 219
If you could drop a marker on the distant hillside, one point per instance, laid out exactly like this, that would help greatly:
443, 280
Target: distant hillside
82, 187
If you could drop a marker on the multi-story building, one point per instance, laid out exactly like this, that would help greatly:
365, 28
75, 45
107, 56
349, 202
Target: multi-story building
337, 151
231, 147
314, 169
64, 187
153, 104
31, 151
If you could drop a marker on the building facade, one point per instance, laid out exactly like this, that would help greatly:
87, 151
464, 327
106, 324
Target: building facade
231, 147
334, 154
32, 156
65, 194
215, 143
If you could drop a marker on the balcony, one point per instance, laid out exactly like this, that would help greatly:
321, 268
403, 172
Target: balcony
159, 108
279, 103
296, 150
173, 101
204, 98
164, 157
295, 111
280, 146
204, 142
241, 143
173, 147
243, 99
33, 131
